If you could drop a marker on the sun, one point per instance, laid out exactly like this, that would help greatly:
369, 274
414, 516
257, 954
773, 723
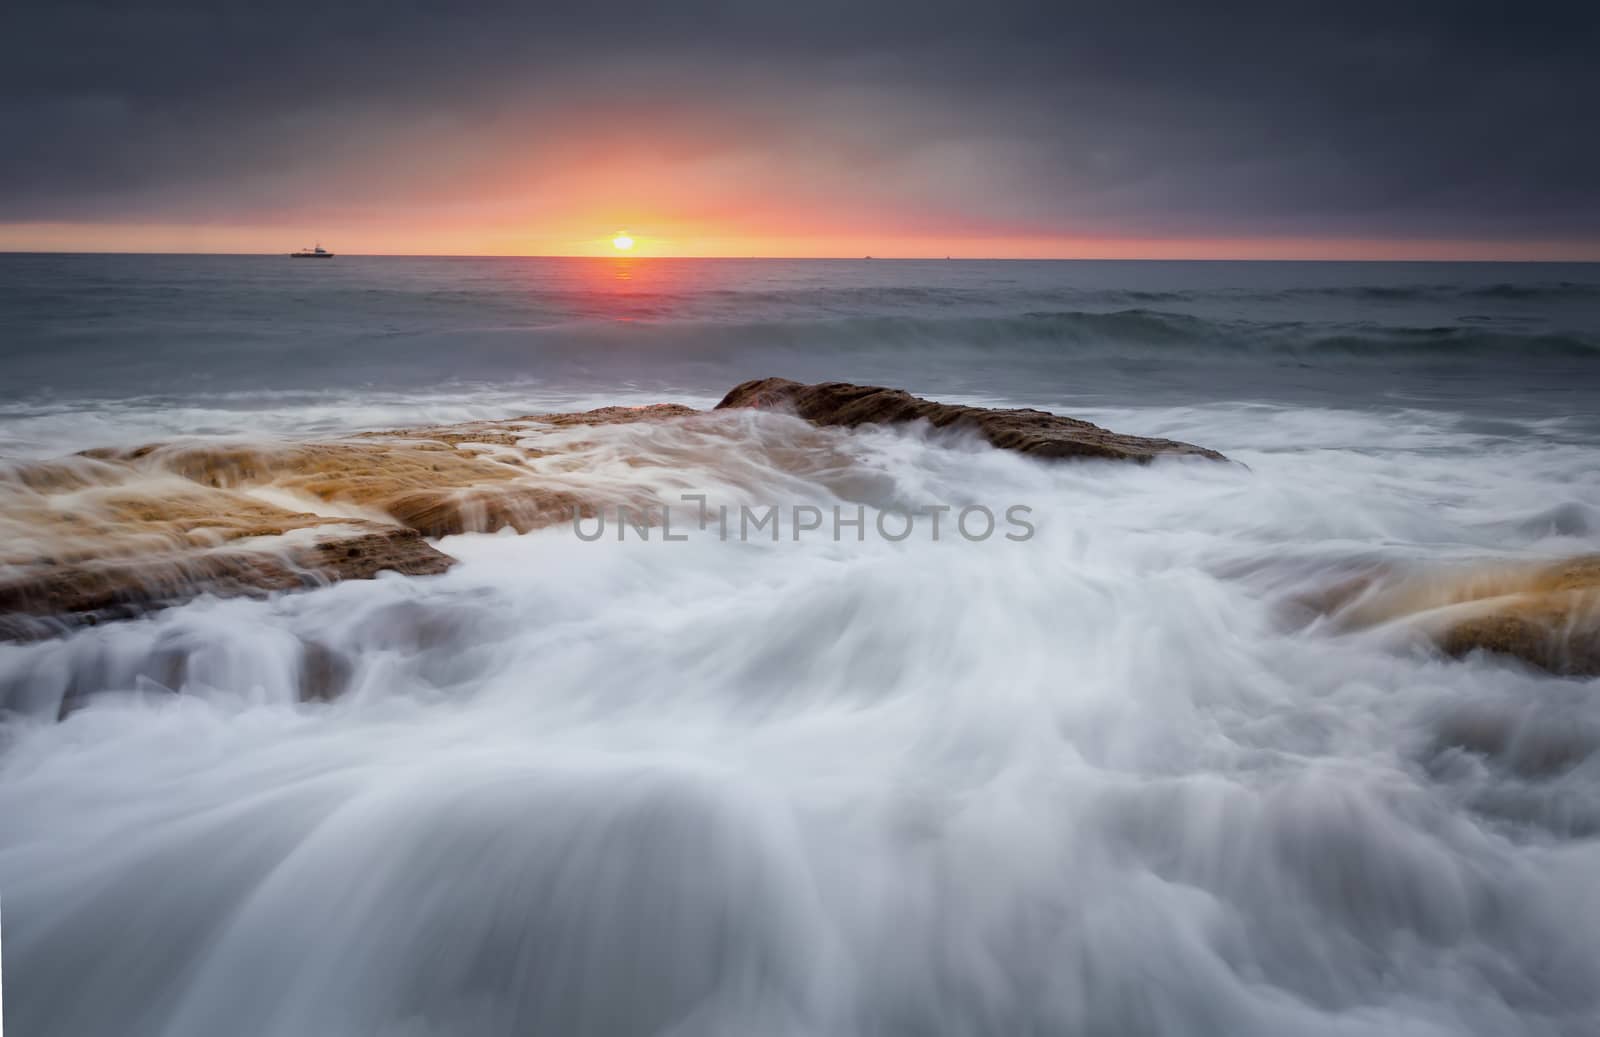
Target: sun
622, 242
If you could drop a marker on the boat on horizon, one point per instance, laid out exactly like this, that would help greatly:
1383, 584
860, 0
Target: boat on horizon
315, 252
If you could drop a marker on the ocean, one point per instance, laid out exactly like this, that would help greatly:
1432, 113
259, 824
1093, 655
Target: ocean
1109, 778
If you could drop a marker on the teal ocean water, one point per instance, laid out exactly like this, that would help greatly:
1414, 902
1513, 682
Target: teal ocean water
209, 342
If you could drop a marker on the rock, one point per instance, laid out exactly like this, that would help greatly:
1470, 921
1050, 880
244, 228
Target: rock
364, 476
84, 540
45, 600
522, 501
1550, 618
1035, 433
1542, 633
115, 533
513, 431
1546, 614
324, 672
438, 480
437, 513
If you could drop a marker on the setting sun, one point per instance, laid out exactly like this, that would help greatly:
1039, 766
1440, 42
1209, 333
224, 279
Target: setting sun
622, 242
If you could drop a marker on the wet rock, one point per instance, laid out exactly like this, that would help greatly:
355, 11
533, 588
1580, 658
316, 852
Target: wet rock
517, 431
1035, 433
437, 480
1546, 614
324, 672
521, 501
115, 533
365, 476
1556, 632
436, 513
45, 600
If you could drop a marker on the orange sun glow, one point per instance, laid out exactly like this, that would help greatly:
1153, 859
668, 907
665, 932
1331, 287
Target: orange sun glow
622, 242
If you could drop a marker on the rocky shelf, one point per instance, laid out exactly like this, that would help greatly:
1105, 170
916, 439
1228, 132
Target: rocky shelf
1035, 433
115, 533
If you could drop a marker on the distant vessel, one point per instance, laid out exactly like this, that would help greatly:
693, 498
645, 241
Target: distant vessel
317, 252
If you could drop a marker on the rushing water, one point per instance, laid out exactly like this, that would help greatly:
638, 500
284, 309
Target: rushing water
1103, 780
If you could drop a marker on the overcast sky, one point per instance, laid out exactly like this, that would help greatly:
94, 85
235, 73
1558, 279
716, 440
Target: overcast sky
805, 128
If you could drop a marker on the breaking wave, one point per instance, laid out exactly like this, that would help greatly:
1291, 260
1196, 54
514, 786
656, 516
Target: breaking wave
1090, 334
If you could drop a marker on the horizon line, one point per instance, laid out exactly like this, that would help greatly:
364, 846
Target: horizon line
820, 259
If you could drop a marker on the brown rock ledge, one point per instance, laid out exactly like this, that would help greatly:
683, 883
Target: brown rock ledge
437, 480
113, 533
1546, 614
51, 596
1035, 433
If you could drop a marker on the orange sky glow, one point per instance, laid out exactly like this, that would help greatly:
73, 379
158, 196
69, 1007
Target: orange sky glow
682, 191
688, 182
666, 238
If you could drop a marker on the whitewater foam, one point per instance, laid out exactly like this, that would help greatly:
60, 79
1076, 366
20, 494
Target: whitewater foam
1087, 783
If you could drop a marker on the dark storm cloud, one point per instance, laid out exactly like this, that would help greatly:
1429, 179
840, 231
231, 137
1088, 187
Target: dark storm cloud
1450, 119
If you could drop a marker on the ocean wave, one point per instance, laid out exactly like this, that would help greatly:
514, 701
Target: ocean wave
1545, 290
1531, 291
1119, 331
1421, 292
1155, 328
1508, 291
1367, 340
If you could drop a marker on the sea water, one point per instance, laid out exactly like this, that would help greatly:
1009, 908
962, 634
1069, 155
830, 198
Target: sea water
1105, 779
